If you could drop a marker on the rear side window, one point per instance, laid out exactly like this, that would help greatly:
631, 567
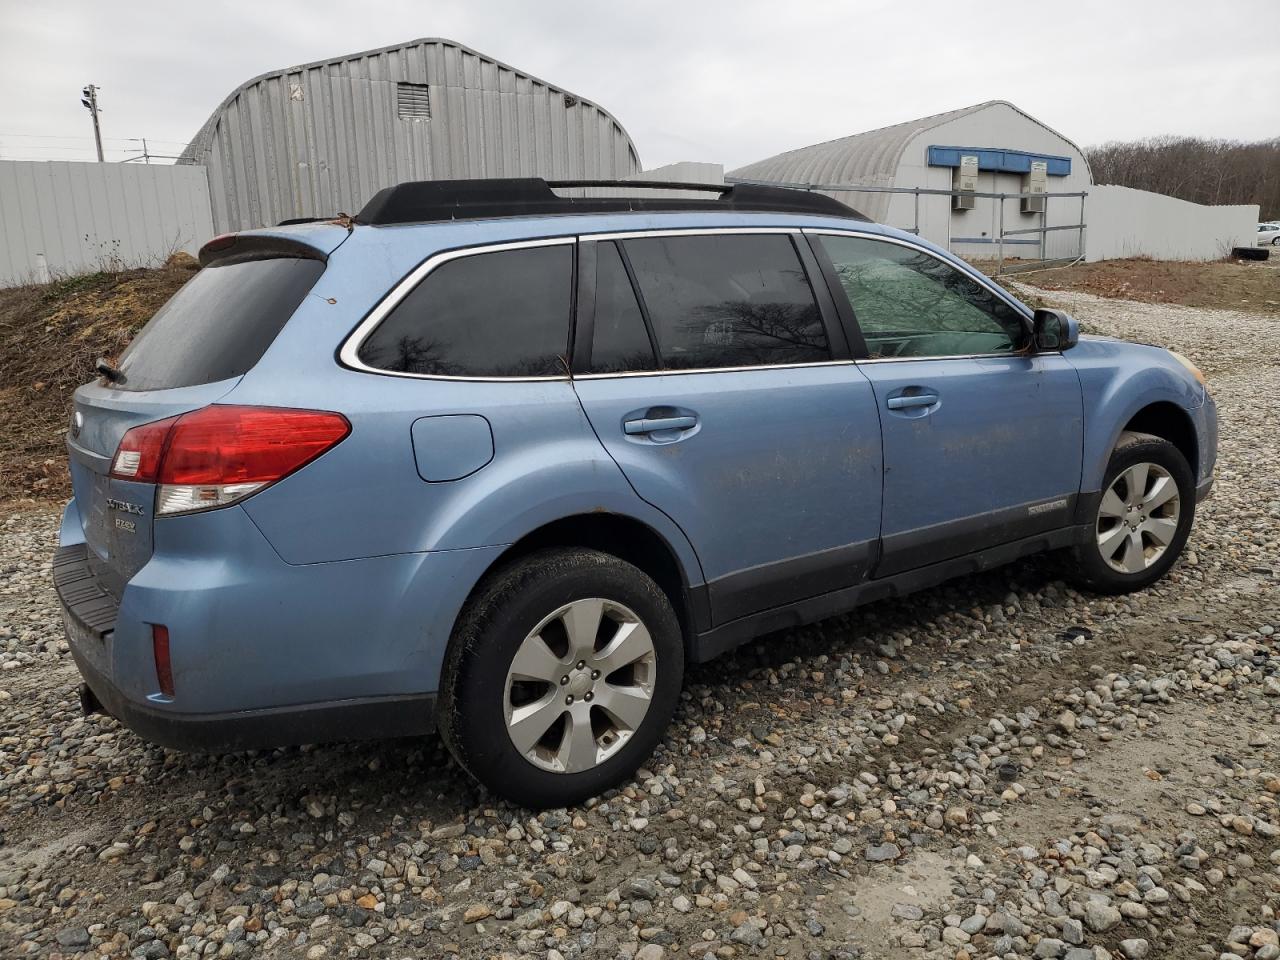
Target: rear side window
728, 301
500, 314
620, 342
219, 324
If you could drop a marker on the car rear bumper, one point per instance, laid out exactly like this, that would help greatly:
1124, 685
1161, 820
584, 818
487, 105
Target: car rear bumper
89, 615
263, 653
364, 719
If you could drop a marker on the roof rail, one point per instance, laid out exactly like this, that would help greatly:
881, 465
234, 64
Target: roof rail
434, 200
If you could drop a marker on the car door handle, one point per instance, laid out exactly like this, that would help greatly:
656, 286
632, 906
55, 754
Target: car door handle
633, 427
915, 400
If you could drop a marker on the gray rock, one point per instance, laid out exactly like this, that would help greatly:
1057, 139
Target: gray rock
1073, 931
906, 911
644, 888
1100, 917
1137, 949
879, 852
73, 937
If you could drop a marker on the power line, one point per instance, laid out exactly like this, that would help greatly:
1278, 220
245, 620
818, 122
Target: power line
51, 136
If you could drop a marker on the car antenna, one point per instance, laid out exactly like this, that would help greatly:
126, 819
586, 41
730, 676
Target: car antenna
110, 373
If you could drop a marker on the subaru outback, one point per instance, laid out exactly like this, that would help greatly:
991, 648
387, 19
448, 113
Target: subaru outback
500, 462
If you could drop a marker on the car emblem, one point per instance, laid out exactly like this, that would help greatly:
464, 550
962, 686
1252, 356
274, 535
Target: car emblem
124, 506
77, 423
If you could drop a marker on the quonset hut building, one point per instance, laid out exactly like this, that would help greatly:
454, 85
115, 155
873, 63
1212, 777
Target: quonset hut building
321, 138
991, 147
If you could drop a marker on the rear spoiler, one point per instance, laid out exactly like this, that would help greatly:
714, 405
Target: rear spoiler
232, 248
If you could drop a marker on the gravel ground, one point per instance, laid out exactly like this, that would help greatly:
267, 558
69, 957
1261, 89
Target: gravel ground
1000, 767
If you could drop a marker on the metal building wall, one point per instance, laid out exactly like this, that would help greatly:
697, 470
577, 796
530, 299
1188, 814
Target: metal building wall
973, 233
59, 218
322, 138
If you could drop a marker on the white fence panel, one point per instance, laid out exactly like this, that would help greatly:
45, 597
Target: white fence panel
1124, 222
59, 218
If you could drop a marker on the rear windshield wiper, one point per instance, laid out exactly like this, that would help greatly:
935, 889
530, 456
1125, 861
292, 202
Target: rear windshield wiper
112, 374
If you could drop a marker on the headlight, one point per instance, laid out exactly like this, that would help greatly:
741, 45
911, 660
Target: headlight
1195, 371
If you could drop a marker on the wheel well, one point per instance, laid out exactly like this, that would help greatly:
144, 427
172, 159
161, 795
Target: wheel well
1169, 422
624, 538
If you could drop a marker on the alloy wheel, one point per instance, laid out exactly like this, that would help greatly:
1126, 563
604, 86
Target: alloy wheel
580, 685
1138, 517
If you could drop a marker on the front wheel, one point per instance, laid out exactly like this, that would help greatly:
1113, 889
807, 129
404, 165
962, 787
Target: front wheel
562, 674
1142, 520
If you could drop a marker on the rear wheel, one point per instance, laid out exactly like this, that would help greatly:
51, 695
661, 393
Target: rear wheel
1142, 520
562, 674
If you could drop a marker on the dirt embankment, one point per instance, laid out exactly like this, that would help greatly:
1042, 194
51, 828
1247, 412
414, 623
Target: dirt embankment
50, 336
1219, 285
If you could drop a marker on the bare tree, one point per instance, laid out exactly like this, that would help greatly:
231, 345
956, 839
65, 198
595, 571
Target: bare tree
1195, 169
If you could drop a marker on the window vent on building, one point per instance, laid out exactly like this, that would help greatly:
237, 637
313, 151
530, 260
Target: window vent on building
413, 101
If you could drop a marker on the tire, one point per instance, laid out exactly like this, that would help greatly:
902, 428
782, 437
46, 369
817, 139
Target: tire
533, 618
1110, 559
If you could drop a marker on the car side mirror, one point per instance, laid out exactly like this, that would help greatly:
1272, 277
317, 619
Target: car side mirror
1054, 330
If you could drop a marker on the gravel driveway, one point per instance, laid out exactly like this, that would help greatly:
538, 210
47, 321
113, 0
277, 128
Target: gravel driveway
998, 767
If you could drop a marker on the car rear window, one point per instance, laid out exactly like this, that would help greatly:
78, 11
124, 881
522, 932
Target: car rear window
219, 324
499, 314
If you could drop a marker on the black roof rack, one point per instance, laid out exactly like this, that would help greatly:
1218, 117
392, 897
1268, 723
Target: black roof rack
433, 200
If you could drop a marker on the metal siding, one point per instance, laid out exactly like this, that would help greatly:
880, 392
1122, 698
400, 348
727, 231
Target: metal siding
271, 158
873, 158
93, 216
1005, 125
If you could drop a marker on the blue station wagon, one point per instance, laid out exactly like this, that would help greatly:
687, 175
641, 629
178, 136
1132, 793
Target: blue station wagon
497, 461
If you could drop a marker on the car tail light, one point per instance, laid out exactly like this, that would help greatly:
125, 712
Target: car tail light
138, 456
160, 650
220, 454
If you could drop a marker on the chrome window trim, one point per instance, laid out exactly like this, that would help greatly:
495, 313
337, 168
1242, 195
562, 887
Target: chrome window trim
686, 232
349, 352
953, 356
678, 371
981, 279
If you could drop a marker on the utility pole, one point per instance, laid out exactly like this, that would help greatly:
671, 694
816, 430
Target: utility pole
89, 97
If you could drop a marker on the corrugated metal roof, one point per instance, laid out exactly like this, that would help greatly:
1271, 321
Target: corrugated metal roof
321, 138
868, 159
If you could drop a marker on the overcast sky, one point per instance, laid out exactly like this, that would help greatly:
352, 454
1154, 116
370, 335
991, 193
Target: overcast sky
723, 82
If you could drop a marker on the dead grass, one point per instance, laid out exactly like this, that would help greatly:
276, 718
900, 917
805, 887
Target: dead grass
1220, 285
50, 336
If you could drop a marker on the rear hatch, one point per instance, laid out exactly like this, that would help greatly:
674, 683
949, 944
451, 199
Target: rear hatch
190, 354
